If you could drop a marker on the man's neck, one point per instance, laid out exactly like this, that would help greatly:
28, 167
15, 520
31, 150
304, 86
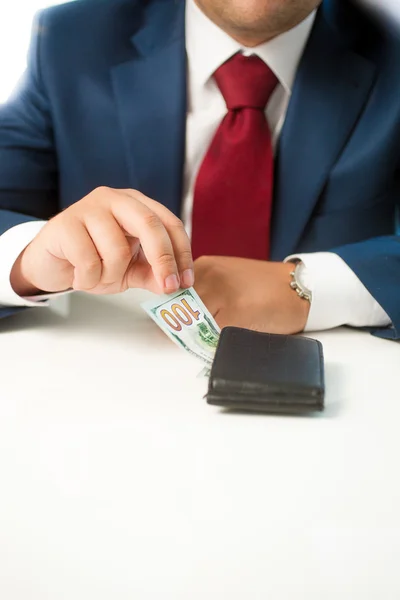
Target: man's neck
247, 38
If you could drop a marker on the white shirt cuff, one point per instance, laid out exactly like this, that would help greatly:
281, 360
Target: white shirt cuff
12, 243
338, 296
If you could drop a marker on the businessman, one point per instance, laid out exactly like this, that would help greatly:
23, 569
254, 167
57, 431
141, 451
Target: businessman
246, 135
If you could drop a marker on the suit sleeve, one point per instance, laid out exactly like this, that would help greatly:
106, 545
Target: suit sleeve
376, 263
28, 163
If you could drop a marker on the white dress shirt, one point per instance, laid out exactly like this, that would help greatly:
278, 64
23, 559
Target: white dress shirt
339, 297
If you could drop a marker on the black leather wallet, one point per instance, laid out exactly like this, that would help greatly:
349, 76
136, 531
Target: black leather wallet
266, 372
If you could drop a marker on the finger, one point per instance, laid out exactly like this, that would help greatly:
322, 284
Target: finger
112, 246
80, 251
140, 274
141, 222
177, 234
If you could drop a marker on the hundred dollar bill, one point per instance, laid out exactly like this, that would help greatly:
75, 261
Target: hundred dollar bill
204, 373
187, 322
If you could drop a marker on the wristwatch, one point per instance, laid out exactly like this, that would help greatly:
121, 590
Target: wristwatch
300, 282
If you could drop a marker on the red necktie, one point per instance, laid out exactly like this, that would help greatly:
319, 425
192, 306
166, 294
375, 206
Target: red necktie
234, 187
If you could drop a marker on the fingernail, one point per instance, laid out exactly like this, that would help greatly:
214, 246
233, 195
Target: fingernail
172, 282
188, 277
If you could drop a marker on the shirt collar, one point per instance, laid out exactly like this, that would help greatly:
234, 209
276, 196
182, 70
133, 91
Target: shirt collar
208, 47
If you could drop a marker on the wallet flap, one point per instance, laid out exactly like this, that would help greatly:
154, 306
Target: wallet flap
253, 369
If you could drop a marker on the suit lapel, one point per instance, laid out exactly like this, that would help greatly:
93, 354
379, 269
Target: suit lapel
150, 92
331, 89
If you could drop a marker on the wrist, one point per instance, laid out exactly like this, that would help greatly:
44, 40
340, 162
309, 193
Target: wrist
300, 298
19, 277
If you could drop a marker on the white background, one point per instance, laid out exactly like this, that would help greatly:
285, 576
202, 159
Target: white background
15, 30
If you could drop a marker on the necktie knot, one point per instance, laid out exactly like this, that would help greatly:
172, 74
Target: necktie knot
245, 82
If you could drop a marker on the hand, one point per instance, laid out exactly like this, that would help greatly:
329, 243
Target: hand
108, 242
250, 293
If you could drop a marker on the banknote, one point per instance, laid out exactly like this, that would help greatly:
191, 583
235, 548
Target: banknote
186, 321
205, 373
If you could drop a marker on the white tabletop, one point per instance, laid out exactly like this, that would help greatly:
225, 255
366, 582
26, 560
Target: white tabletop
119, 482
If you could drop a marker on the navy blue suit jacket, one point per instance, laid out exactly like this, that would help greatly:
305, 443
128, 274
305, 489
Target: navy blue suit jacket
103, 102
